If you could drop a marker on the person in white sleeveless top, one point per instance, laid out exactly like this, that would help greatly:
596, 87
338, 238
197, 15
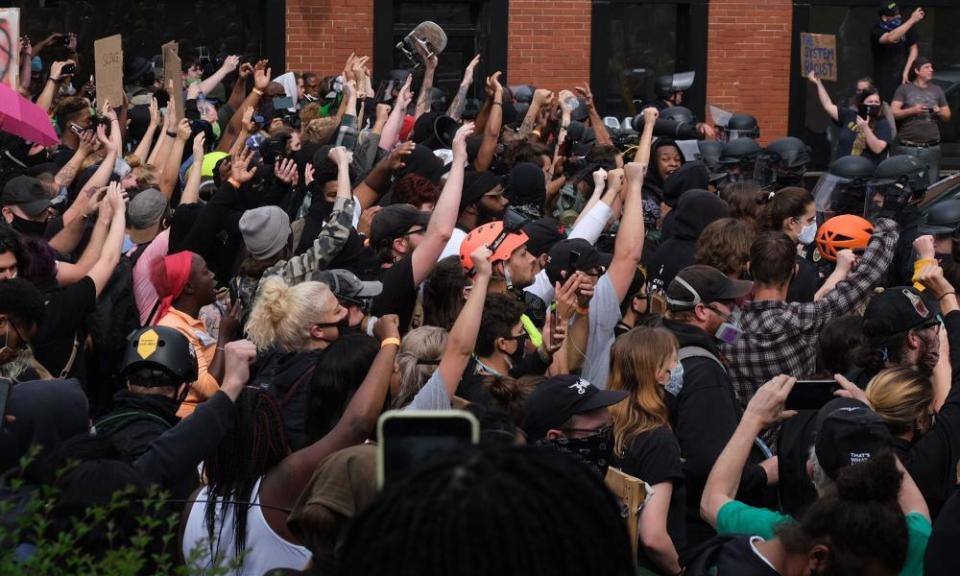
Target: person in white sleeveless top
240, 518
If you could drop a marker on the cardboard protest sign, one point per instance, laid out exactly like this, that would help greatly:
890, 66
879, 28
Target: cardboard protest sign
818, 52
10, 46
108, 70
172, 72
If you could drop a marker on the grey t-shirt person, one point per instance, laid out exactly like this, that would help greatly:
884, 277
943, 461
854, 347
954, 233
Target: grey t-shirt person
922, 128
604, 315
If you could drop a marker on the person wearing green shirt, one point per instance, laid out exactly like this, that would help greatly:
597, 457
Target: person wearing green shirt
870, 516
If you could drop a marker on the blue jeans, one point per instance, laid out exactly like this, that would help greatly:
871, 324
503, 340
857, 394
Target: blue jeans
930, 156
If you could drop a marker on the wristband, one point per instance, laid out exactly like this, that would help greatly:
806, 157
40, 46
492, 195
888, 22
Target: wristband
172, 133
390, 341
583, 311
258, 91
497, 104
234, 182
945, 295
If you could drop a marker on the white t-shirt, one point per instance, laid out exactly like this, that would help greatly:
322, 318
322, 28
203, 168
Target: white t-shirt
604, 315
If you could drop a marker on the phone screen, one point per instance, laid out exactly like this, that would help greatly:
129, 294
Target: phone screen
810, 394
408, 438
282, 103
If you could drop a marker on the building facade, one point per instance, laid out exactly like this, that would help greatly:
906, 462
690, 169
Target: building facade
745, 52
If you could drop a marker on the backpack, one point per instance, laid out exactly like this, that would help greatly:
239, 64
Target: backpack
116, 314
702, 560
286, 376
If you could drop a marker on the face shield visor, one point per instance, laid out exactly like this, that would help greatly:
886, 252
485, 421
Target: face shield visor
835, 195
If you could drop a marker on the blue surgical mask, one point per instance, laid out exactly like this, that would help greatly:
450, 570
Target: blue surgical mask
808, 233
676, 380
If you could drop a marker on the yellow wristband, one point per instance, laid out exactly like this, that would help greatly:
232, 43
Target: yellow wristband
389, 341
258, 91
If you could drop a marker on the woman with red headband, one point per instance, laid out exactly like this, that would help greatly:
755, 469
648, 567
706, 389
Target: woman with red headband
185, 285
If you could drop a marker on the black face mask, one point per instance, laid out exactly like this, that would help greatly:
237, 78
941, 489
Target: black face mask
29, 227
595, 450
517, 355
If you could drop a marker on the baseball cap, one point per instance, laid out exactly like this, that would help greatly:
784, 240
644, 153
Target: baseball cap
556, 399
889, 9
28, 193
575, 254
895, 311
848, 432
543, 234
395, 221
146, 209
701, 284
346, 285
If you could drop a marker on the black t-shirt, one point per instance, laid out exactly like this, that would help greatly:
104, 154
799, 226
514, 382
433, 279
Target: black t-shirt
654, 457
399, 294
62, 155
804, 285
889, 60
738, 558
849, 132
61, 329
942, 558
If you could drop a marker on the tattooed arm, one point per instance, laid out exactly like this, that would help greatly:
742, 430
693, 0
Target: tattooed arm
456, 107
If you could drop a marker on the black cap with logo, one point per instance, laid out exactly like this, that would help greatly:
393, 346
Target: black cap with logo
556, 399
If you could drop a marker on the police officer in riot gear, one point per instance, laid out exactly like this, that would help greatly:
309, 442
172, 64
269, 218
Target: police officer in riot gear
783, 164
741, 125
739, 159
670, 90
894, 192
842, 190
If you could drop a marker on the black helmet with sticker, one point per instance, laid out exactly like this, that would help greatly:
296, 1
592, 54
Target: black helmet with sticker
160, 348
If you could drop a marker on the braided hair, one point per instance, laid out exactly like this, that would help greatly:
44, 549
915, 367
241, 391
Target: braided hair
490, 511
253, 445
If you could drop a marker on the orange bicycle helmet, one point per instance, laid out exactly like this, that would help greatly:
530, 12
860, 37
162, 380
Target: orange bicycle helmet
846, 231
487, 235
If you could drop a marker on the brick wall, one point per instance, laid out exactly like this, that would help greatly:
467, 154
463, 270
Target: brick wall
321, 34
549, 43
748, 62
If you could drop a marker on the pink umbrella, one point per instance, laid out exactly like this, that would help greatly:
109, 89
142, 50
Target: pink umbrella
23, 118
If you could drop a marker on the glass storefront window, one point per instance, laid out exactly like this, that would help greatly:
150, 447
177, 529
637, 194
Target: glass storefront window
852, 26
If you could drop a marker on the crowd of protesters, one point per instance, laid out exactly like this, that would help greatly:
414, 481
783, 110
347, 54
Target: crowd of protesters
220, 301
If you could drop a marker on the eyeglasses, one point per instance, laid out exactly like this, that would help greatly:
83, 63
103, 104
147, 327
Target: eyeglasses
520, 338
416, 231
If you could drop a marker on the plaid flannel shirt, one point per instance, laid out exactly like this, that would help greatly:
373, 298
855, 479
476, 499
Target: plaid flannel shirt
781, 337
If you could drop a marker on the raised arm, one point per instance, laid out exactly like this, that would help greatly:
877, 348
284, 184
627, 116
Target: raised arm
391, 130
540, 97
70, 273
459, 101
54, 81
430, 68
444, 217
191, 191
239, 91
110, 256
629, 243
494, 121
825, 101
143, 148
171, 168
895, 35
261, 80
377, 181
764, 410
26, 61
230, 64
463, 335
596, 122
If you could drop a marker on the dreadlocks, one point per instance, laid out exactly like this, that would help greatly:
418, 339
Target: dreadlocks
495, 510
253, 445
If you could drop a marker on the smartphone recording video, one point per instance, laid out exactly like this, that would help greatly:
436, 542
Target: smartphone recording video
407, 438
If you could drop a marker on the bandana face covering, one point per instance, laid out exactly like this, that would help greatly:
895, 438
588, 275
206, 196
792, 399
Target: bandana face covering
595, 450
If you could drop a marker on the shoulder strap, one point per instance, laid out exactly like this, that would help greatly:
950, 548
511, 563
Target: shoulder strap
296, 385
702, 560
699, 352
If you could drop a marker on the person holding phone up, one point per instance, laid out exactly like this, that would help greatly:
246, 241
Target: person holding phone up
864, 131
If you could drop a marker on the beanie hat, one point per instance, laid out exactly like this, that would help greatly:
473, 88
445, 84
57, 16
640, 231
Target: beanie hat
265, 231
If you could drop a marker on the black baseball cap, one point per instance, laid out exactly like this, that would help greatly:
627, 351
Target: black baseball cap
556, 399
476, 185
700, 284
346, 285
889, 9
848, 432
395, 221
897, 310
26, 192
574, 255
543, 234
